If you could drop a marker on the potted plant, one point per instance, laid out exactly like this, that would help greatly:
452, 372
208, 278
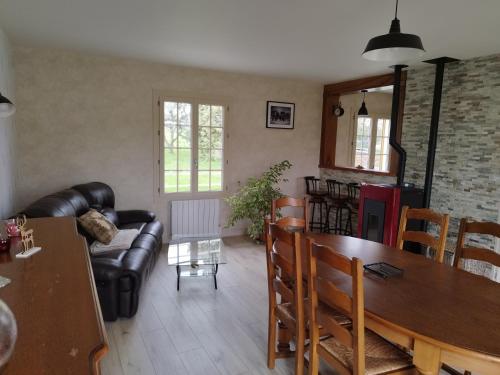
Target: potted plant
253, 201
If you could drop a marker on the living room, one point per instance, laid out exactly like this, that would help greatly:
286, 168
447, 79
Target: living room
171, 119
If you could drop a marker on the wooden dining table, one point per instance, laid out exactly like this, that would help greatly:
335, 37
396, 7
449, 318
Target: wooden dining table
443, 314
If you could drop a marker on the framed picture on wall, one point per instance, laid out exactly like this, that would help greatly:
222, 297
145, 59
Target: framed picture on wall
280, 115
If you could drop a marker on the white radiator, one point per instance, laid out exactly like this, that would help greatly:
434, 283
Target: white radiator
195, 219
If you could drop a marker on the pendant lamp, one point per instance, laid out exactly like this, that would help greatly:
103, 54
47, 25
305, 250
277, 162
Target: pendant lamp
6, 107
363, 112
394, 47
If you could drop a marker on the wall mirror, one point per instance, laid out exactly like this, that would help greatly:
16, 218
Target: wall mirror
362, 140
356, 137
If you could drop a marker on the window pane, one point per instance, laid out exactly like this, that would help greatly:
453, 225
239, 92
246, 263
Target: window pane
216, 160
216, 140
204, 138
204, 159
170, 161
217, 116
386, 146
170, 136
184, 114
170, 113
204, 115
216, 180
170, 184
184, 136
184, 181
185, 159
203, 181
378, 145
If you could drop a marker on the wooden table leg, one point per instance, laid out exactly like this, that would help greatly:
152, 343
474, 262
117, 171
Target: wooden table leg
426, 358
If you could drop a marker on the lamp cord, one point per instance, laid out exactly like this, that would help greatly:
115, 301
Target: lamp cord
396, 13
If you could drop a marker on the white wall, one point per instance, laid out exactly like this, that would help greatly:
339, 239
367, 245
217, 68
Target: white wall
87, 118
7, 137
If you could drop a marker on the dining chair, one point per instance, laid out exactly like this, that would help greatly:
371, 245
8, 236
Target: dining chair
350, 350
289, 222
474, 252
463, 252
420, 237
283, 272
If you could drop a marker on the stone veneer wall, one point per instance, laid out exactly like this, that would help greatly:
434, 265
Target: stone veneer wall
467, 167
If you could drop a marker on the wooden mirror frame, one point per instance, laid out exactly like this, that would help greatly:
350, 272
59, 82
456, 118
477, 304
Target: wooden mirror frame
331, 95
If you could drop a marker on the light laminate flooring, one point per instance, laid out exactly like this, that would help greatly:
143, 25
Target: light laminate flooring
198, 330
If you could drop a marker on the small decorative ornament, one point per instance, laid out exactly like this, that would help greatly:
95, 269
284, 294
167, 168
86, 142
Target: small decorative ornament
27, 240
12, 229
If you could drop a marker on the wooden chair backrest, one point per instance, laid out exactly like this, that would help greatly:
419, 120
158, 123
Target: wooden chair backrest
322, 287
289, 221
284, 271
353, 190
426, 214
476, 253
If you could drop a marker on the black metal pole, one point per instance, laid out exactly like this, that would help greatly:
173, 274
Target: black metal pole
433, 134
394, 123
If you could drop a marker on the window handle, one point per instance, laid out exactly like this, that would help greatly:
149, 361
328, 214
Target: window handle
196, 163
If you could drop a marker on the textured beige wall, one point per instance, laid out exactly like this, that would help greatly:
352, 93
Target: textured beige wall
85, 118
7, 136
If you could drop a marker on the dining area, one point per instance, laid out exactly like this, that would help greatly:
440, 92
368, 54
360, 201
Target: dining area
363, 307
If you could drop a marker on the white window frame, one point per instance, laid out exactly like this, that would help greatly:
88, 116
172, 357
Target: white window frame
195, 101
373, 139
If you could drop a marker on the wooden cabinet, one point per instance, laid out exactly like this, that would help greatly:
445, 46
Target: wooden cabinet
53, 297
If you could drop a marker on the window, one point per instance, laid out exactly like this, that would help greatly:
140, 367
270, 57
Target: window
372, 143
193, 146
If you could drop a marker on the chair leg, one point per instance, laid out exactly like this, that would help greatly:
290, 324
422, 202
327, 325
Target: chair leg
320, 216
313, 360
311, 222
299, 354
326, 228
271, 340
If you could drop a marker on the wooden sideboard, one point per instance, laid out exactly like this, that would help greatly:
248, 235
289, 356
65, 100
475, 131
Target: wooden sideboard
54, 299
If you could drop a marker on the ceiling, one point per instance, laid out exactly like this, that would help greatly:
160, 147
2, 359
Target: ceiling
320, 40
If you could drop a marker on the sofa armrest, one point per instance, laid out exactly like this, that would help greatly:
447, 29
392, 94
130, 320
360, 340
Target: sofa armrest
135, 216
105, 269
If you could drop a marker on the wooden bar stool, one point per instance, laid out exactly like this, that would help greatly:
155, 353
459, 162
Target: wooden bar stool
423, 238
350, 350
338, 202
353, 190
317, 201
291, 223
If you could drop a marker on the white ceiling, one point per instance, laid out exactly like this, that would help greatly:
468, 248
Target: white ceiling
313, 39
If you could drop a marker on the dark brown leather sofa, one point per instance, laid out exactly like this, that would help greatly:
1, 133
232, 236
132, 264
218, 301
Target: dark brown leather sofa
120, 274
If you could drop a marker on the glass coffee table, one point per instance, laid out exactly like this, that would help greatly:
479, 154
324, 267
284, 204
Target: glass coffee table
196, 258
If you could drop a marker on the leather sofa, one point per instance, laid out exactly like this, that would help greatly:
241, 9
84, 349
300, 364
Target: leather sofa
120, 274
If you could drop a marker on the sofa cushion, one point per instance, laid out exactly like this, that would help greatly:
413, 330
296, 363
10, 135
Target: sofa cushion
98, 226
122, 241
97, 194
137, 226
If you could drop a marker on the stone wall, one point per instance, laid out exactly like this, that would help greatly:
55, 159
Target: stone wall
467, 166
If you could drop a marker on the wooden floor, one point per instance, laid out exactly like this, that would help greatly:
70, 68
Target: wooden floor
199, 330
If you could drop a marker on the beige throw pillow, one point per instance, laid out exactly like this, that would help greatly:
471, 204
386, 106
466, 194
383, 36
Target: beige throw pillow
98, 226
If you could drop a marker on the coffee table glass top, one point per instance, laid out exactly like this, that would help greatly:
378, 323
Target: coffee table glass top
198, 252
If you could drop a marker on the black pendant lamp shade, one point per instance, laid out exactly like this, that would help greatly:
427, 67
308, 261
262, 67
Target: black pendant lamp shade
394, 47
363, 112
6, 107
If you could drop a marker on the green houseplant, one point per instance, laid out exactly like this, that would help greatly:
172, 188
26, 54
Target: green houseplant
253, 201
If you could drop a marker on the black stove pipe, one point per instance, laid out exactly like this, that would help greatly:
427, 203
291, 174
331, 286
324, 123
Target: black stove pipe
433, 134
394, 123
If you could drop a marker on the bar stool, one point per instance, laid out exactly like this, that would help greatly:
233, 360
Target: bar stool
317, 201
338, 202
353, 200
